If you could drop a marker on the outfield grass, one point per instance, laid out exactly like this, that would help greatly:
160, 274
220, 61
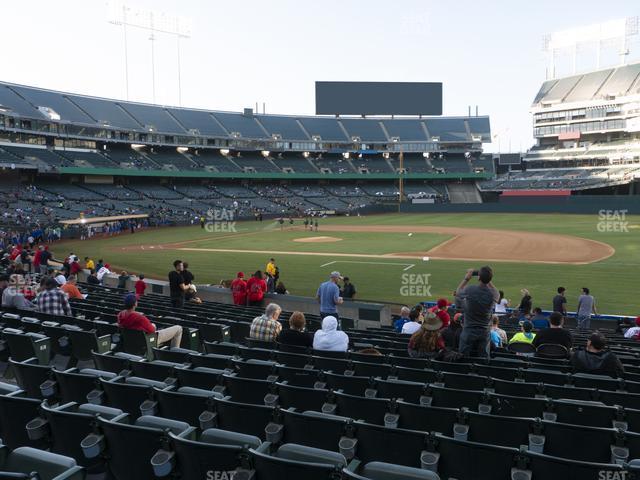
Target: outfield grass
613, 281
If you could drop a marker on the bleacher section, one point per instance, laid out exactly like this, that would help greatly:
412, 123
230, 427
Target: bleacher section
222, 400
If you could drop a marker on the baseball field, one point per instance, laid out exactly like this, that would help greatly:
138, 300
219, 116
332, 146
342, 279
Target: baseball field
400, 257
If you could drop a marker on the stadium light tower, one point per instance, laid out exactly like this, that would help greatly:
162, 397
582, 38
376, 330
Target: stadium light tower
154, 22
573, 40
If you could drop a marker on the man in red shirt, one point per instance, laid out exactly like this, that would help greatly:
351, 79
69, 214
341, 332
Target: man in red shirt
74, 267
256, 288
140, 286
132, 320
239, 290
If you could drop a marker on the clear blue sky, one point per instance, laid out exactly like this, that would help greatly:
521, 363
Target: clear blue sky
246, 51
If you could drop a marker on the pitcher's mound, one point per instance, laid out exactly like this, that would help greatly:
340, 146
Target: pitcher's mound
317, 239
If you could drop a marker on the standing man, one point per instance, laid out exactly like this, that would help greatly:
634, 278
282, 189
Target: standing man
316, 224
239, 290
478, 305
306, 223
586, 307
45, 256
560, 302
271, 271
328, 296
348, 289
176, 285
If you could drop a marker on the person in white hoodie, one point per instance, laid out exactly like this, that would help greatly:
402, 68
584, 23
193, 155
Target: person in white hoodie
103, 271
329, 337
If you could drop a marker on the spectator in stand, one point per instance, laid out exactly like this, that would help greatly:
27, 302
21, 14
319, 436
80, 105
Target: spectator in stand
60, 278
122, 280
328, 295
52, 300
281, 289
451, 334
99, 265
329, 338
104, 270
633, 332
89, 264
45, 257
4, 283
256, 288
414, 323
427, 341
13, 296
539, 321
92, 279
404, 318
586, 308
440, 309
502, 304
132, 320
71, 289
525, 303
176, 285
497, 331
595, 359
239, 290
560, 302
140, 286
296, 334
74, 266
36, 259
348, 290
478, 304
188, 277
266, 327
555, 334
525, 335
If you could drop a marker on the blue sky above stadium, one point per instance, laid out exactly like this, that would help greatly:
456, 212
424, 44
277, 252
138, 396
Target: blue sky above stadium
242, 52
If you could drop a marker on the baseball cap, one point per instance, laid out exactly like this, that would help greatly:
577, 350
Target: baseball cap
240, 275
443, 302
335, 275
129, 300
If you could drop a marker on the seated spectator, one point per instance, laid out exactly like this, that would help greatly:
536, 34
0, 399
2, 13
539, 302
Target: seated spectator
52, 300
555, 334
266, 327
497, 335
256, 288
140, 286
132, 320
281, 289
441, 311
329, 337
122, 280
70, 288
427, 341
633, 332
451, 334
595, 359
415, 320
13, 296
525, 334
60, 278
404, 318
296, 334
92, 279
538, 320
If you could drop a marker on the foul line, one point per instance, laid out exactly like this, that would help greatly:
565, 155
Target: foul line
327, 264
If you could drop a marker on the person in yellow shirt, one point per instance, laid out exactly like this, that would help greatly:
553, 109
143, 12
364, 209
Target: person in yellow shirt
88, 263
525, 334
271, 268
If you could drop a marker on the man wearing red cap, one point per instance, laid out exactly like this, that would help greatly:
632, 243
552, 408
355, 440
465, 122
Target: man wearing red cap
633, 332
441, 312
239, 290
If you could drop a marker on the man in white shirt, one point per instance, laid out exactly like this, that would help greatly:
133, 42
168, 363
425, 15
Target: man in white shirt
103, 271
633, 331
414, 323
